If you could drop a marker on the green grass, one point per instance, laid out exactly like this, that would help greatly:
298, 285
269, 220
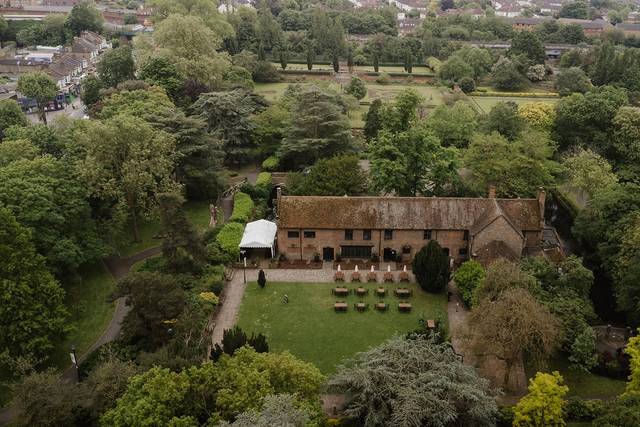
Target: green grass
197, 213
487, 102
583, 384
309, 327
90, 312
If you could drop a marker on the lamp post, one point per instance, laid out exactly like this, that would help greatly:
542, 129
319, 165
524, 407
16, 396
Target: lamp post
74, 360
244, 265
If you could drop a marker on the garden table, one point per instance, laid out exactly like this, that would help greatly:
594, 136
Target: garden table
341, 291
340, 306
404, 306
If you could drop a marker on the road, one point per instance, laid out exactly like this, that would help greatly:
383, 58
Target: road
76, 113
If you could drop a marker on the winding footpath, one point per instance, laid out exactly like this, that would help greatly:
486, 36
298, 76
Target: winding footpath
118, 268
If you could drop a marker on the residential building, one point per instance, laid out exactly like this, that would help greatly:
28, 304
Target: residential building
629, 28
524, 23
409, 5
398, 227
591, 28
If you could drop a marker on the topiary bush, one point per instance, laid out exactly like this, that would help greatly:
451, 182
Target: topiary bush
229, 239
431, 267
264, 180
271, 164
467, 84
242, 208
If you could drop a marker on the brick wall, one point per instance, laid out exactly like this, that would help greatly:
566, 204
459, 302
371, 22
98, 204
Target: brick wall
306, 248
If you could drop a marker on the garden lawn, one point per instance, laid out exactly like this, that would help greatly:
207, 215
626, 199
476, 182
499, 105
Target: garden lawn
487, 102
309, 327
89, 311
583, 384
197, 214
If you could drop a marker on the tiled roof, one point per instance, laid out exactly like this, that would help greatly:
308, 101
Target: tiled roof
402, 213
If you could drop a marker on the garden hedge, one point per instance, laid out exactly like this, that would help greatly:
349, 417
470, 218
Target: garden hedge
242, 208
302, 72
264, 180
229, 238
271, 163
517, 94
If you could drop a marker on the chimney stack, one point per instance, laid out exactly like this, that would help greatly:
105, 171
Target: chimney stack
542, 197
492, 191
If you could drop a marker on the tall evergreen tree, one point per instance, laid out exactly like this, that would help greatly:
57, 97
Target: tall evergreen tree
372, 123
431, 267
182, 248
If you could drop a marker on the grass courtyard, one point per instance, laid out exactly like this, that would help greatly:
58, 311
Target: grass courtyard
309, 327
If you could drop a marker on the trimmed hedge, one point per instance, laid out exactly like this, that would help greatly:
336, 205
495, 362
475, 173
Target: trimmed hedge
302, 72
242, 208
229, 239
271, 163
517, 94
263, 180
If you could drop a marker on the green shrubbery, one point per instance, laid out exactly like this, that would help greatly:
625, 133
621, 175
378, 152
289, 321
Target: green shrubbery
271, 163
242, 208
467, 279
483, 92
229, 238
583, 410
264, 180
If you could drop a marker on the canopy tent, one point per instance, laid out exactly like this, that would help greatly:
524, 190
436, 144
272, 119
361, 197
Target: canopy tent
259, 234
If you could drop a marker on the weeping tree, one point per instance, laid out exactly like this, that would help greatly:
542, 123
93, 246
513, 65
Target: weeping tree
414, 381
431, 267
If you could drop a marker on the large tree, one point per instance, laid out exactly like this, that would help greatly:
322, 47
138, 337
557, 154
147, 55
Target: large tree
528, 43
413, 381
126, 165
32, 311
373, 120
412, 162
588, 172
454, 125
504, 119
46, 196
84, 16
336, 176
277, 410
512, 325
468, 277
10, 114
39, 86
116, 66
228, 116
319, 128
544, 404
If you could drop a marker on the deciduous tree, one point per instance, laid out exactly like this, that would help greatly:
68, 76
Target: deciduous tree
11, 114
468, 277
455, 125
84, 16
544, 404
336, 176
116, 66
39, 86
504, 119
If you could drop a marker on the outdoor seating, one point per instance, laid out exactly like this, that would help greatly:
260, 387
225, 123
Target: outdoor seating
403, 292
362, 291
381, 292
404, 306
361, 306
341, 292
381, 306
404, 276
355, 276
340, 306
388, 277
372, 277
338, 276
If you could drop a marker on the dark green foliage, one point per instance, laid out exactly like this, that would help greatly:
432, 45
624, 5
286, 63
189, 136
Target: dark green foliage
91, 86
319, 127
160, 71
504, 119
84, 16
182, 248
10, 114
116, 66
242, 208
467, 84
233, 339
228, 115
130, 19
375, 62
575, 10
468, 277
373, 121
581, 410
262, 279
506, 75
335, 176
155, 302
572, 80
431, 267
528, 43
32, 311
623, 412
357, 88
42, 136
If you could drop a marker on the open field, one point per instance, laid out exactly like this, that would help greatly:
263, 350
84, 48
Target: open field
309, 327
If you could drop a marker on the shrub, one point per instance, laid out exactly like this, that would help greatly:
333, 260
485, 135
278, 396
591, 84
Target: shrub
506, 416
431, 267
271, 163
229, 239
467, 84
264, 180
467, 279
583, 410
383, 79
242, 208
434, 64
